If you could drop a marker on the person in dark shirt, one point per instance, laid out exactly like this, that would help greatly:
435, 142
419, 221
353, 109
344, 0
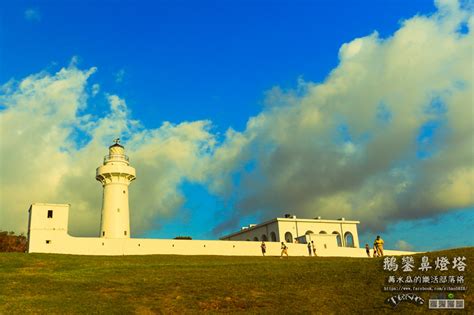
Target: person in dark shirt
264, 248
367, 249
284, 250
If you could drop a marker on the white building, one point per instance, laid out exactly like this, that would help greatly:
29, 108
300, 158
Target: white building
295, 230
48, 228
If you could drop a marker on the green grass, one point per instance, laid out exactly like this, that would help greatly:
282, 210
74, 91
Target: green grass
40, 283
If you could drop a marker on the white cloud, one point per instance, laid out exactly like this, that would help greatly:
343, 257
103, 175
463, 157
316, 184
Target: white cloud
32, 14
328, 151
323, 149
403, 245
95, 89
41, 162
119, 75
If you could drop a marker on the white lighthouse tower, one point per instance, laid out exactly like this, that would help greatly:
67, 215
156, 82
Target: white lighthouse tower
115, 175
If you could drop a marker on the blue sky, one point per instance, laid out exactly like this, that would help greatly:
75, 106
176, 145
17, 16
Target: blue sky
183, 61
211, 59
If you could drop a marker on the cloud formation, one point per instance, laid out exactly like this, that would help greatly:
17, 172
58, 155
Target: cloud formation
387, 136
403, 245
95, 89
40, 124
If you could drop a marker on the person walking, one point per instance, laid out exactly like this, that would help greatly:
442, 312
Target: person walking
367, 249
284, 250
264, 248
309, 249
379, 244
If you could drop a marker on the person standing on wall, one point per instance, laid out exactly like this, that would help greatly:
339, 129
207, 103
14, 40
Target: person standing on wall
264, 248
309, 249
284, 250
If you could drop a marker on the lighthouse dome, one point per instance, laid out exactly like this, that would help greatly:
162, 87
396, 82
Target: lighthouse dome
116, 149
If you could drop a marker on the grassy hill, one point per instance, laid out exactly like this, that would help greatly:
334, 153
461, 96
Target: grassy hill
40, 283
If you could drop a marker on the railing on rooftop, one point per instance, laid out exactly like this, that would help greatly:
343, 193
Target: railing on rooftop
115, 157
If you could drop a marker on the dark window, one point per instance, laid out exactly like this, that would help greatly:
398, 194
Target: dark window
48, 241
124, 232
273, 237
103, 233
50, 214
349, 239
338, 238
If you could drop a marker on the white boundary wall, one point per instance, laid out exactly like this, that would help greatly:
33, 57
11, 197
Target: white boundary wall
49, 235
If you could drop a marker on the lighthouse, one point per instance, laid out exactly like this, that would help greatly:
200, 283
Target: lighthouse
48, 227
115, 175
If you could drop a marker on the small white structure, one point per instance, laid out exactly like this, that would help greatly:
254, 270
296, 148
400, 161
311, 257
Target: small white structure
48, 228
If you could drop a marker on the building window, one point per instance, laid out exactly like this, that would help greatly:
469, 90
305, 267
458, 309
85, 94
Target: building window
349, 239
50, 214
273, 237
255, 239
124, 232
309, 232
48, 241
338, 238
264, 238
323, 232
103, 233
288, 237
